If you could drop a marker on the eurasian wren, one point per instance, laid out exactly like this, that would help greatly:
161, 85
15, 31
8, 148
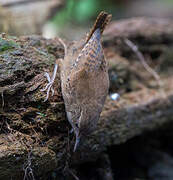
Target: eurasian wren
84, 80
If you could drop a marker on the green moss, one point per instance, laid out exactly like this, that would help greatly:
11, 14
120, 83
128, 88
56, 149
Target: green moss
6, 45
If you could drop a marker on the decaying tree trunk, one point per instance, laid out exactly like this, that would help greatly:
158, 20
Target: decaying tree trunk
34, 135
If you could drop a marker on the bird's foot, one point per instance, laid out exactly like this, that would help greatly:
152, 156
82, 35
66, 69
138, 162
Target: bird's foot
50, 82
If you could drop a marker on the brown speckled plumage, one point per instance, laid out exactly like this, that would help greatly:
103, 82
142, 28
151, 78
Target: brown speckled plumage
84, 80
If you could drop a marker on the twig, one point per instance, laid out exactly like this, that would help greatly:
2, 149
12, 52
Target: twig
140, 56
64, 45
38, 140
2, 95
142, 59
70, 171
67, 168
28, 169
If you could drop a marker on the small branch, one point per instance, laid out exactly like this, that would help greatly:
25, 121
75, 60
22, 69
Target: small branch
64, 45
28, 169
135, 49
140, 56
2, 95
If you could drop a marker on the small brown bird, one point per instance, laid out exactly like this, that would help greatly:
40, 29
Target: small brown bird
84, 80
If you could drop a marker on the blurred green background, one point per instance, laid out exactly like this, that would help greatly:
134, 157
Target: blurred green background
71, 18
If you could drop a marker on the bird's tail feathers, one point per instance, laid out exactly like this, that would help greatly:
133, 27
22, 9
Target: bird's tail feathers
101, 22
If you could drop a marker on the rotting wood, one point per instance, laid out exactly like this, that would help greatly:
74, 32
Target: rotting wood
27, 124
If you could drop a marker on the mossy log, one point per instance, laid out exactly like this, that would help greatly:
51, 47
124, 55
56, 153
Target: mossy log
34, 135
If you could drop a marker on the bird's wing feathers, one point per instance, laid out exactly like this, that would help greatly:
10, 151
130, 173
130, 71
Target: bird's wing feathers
91, 56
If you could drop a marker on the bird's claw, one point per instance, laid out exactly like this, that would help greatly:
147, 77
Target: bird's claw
48, 87
50, 82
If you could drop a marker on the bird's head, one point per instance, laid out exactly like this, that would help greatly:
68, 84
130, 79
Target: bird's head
87, 126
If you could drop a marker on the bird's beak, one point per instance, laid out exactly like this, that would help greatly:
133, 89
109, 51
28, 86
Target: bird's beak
76, 144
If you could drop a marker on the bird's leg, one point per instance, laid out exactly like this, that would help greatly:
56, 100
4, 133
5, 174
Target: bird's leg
50, 82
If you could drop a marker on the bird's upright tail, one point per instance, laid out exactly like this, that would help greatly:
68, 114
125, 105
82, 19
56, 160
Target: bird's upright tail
102, 20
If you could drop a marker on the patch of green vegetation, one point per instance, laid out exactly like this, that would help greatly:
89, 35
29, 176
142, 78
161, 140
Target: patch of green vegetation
86, 10
82, 11
6, 45
41, 114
